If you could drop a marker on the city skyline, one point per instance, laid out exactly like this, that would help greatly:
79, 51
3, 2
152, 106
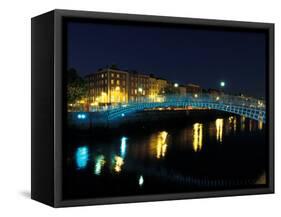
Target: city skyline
218, 88
238, 58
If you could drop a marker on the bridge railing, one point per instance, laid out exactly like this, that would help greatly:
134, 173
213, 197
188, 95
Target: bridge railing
226, 99
206, 98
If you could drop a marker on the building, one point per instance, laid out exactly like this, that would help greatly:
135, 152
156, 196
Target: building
193, 88
138, 86
214, 92
161, 85
156, 87
108, 86
182, 90
112, 86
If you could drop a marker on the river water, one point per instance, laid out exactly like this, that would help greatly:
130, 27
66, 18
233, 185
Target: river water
205, 154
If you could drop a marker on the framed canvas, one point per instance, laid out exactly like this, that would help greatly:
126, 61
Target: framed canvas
131, 108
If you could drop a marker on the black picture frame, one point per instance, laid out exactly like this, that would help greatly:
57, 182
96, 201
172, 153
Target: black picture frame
48, 96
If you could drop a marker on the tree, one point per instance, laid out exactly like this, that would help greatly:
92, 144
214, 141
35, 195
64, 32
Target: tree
76, 86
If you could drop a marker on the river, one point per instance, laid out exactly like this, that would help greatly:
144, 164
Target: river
202, 154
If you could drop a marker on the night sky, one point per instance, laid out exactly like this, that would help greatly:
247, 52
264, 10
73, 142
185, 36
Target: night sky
182, 55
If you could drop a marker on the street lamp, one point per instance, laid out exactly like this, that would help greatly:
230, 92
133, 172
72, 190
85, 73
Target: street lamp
176, 85
222, 83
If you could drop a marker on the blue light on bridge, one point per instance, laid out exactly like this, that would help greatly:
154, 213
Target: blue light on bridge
81, 116
227, 103
82, 157
250, 108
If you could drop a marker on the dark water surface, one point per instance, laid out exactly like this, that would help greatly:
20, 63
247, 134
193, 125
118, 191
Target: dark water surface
223, 152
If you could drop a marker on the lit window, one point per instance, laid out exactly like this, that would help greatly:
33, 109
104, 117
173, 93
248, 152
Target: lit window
117, 82
112, 81
112, 74
102, 75
117, 75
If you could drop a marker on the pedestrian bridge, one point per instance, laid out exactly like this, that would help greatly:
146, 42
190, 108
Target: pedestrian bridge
248, 107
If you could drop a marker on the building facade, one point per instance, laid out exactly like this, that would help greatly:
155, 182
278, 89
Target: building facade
156, 88
138, 86
108, 86
112, 86
193, 88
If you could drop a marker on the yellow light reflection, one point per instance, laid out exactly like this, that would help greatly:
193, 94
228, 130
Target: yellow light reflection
197, 136
158, 144
234, 124
161, 147
250, 125
260, 125
262, 179
219, 129
242, 122
119, 162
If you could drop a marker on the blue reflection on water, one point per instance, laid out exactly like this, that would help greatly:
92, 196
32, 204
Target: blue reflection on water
123, 146
81, 116
82, 157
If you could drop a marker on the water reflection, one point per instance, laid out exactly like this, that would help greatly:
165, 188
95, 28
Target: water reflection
117, 163
250, 125
141, 181
260, 125
123, 146
131, 160
158, 144
197, 136
161, 144
99, 164
261, 179
82, 157
232, 123
242, 123
219, 129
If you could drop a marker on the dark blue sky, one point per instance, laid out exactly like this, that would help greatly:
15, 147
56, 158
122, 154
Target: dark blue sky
183, 55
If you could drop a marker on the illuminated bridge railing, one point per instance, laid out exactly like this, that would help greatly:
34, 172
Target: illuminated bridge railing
248, 107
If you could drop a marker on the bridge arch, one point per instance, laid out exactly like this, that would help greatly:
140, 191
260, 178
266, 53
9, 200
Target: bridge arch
253, 109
